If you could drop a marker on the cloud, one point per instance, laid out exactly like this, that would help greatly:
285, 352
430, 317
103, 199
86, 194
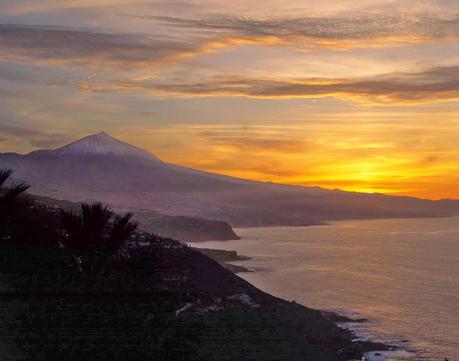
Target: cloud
17, 74
58, 45
18, 7
263, 144
340, 31
253, 141
34, 137
171, 39
431, 85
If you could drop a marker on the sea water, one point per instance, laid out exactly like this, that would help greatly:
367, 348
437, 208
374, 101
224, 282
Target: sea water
403, 275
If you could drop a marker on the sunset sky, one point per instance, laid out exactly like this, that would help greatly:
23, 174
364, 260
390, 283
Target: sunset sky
361, 95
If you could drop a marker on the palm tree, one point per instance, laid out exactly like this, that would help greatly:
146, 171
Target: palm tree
122, 229
4, 175
95, 221
87, 229
12, 197
93, 236
73, 228
12, 200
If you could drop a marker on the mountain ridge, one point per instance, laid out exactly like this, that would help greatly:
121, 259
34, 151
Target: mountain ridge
123, 177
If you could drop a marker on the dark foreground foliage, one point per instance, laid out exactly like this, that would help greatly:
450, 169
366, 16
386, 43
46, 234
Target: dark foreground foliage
88, 286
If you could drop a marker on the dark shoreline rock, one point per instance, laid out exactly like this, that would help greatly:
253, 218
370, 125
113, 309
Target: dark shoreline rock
184, 228
337, 318
223, 257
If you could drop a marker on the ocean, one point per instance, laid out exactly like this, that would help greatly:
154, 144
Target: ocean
400, 274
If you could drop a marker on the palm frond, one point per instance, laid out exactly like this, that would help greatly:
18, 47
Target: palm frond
15, 191
96, 218
72, 226
122, 229
96, 214
14, 199
4, 175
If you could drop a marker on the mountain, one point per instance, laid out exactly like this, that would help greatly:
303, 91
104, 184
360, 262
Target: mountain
100, 167
101, 144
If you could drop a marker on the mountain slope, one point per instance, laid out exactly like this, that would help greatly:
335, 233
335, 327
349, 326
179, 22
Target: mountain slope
99, 144
187, 229
103, 168
151, 299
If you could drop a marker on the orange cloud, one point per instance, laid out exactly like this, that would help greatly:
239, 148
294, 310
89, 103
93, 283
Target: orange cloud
433, 85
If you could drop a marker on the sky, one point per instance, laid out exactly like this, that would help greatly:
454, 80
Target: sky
360, 95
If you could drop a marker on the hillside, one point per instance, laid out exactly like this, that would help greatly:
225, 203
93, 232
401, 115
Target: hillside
152, 298
187, 229
103, 168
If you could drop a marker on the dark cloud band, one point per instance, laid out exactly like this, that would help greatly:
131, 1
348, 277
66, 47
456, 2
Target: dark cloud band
86, 48
123, 50
327, 31
431, 85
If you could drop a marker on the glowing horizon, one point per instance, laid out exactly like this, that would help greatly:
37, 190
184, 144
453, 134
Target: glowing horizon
357, 95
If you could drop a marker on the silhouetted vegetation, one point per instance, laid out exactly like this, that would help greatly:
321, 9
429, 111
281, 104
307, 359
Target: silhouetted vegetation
12, 202
36, 239
85, 284
95, 234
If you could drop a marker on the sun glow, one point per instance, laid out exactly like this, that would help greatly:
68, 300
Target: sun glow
365, 154
315, 96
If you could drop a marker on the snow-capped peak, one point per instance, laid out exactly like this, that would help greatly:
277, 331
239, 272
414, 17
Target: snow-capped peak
103, 144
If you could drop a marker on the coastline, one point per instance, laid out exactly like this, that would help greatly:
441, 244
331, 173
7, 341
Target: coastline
224, 257
366, 267
196, 292
398, 349
161, 299
382, 351
196, 302
385, 353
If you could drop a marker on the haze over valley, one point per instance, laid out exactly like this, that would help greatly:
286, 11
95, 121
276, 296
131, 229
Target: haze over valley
100, 167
